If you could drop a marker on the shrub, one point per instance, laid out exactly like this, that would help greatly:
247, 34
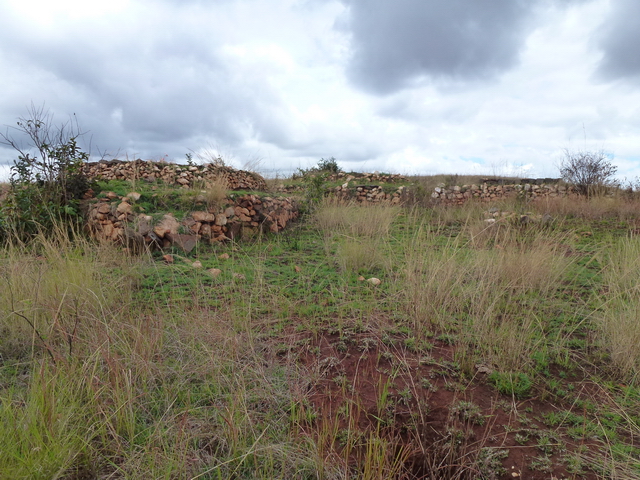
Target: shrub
590, 172
47, 181
329, 165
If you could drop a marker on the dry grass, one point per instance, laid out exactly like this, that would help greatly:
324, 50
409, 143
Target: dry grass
190, 380
356, 233
353, 219
163, 389
595, 208
478, 293
216, 191
619, 322
53, 292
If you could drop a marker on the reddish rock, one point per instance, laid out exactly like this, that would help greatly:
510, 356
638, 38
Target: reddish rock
205, 230
104, 208
203, 217
214, 272
221, 219
124, 207
185, 242
195, 228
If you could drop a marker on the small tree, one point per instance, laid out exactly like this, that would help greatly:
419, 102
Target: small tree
46, 179
329, 165
589, 172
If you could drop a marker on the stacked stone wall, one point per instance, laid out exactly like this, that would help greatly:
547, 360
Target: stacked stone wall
174, 174
490, 191
115, 219
371, 194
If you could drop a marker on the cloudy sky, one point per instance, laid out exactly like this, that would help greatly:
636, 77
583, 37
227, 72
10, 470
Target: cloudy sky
406, 86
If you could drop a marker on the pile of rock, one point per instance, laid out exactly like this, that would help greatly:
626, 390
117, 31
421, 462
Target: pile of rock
495, 215
115, 219
489, 191
174, 174
371, 194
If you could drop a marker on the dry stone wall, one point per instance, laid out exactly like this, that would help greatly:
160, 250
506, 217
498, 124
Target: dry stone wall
173, 174
371, 194
359, 193
114, 218
362, 193
490, 191
374, 177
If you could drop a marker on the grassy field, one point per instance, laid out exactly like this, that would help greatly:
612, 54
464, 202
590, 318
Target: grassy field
488, 350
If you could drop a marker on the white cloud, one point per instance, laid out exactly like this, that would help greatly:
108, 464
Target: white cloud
280, 80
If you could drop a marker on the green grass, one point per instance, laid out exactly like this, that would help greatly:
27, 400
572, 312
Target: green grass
127, 367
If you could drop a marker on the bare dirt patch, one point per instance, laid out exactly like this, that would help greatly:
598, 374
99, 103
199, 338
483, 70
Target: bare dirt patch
439, 421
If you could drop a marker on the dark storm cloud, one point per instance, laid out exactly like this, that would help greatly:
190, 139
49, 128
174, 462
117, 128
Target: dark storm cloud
145, 85
619, 38
395, 44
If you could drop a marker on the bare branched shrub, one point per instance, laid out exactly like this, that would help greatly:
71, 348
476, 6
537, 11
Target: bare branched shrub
590, 172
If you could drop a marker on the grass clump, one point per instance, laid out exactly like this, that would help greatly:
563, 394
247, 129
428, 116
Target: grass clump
619, 319
356, 234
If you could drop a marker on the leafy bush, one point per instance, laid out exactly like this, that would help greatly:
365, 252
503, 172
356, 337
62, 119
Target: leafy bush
590, 172
315, 190
329, 165
325, 166
314, 182
47, 181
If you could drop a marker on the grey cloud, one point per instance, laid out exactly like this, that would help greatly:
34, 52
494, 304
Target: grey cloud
168, 89
618, 39
395, 44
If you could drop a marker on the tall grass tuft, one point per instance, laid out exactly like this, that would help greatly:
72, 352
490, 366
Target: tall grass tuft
483, 295
216, 191
45, 430
356, 234
55, 289
594, 208
619, 320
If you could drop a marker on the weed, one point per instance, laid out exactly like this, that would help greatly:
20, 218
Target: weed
517, 384
468, 411
542, 464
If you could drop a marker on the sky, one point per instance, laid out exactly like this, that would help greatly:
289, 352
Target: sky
495, 87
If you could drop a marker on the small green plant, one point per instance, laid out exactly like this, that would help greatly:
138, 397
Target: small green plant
468, 411
542, 464
314, 190
509, 383
489, 462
